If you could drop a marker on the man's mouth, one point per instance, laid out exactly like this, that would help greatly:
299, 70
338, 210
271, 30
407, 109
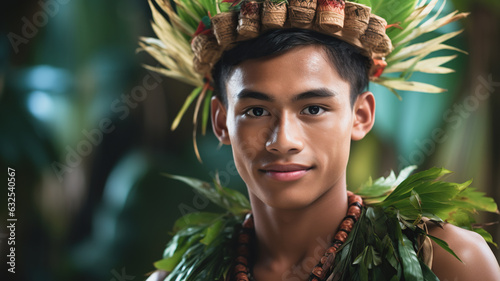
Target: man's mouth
285, 172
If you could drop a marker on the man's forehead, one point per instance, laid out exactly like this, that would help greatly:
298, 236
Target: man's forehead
297, 71
311, 57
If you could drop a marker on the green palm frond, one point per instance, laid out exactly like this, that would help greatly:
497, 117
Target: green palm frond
409, 57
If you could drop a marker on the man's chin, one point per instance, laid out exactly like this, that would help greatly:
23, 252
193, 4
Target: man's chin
290, 203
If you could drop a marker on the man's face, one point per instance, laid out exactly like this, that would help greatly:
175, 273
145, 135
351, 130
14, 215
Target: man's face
289, 121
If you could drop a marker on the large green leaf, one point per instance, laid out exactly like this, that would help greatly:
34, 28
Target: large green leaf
195, 219
212, 232
203, 252
238, 201
177, 247
409, 259
472, 199
389, 252
427, 273
444, 245
487, 237
168, 264
371, 190
231, 200
411, 182
459, 217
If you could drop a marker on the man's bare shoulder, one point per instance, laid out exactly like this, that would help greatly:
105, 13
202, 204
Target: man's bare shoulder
478, 261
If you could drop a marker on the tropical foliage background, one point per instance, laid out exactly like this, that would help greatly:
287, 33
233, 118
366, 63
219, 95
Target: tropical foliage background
87, 130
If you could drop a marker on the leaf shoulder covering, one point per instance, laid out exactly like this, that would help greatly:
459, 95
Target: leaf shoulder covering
201, 248
383, 245
202, 245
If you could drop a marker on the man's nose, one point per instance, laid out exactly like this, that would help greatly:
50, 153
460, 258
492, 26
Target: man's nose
285, 136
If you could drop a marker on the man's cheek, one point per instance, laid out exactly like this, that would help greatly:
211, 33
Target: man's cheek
248, 150
250, 143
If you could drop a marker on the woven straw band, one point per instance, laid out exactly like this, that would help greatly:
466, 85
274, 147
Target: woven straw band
348, 21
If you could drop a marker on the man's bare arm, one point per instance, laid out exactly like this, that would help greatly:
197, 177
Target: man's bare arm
479, 263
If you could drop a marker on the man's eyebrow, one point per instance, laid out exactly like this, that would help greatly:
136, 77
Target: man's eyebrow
248, 94
316, 93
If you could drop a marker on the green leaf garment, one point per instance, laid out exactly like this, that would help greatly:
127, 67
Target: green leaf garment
385, 243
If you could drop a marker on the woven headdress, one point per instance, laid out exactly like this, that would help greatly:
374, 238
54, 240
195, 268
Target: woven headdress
193, 36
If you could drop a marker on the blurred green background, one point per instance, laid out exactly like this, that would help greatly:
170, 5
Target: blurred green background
86, 129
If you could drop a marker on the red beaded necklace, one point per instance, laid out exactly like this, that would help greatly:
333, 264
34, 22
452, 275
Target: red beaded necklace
241, 270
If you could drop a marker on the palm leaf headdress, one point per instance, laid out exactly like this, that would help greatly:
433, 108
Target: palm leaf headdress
404, 24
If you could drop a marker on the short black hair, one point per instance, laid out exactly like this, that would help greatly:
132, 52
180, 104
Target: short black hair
351, 65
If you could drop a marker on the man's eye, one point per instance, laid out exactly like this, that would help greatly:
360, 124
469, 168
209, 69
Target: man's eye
257, 112
313, 110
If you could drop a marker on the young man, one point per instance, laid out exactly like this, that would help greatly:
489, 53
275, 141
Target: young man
305, 115
289, 104
290, 110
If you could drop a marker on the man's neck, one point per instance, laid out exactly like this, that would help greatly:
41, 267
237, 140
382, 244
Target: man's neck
291, 242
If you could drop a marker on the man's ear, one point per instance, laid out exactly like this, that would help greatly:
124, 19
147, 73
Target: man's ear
364, 115
219, 115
